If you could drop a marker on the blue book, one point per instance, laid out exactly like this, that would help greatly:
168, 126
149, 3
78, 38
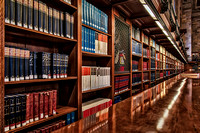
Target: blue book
68, 120
54, 65
26, 64
83, 38
94, 41
31, 65
83, 15
6, 78
72, 114
21, 66
87, 49
35, 65
17, 58
12, 63
87, 13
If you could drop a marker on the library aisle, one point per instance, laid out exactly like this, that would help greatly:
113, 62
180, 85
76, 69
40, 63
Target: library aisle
173, 108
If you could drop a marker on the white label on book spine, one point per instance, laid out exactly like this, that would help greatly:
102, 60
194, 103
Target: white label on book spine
27, 121
12, 79
46, 116
6, 79
27, 77
54, 112
17, 79
42, 115
18, 125
35, 77
37, 118
12, 127
24, 124
31, 120
54, 76
21, 78
7, 21
31, 76
6, 128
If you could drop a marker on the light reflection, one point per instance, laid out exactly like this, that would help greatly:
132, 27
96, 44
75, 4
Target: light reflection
166, 112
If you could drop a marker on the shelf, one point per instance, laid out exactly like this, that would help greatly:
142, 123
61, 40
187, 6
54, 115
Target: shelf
146, 81
136, 71
147, 58
89, 54
136, 84
119, 74
136, 55
122, 92
60, 112
96, 89
145, 70
146, 45
15, 30
136, 40
96, 30
38, 80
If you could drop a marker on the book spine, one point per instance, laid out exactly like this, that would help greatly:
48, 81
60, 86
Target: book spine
54, 21
45, 18
12, 116
17, 65
36, 106
6, 114
31, 61
50, 20
30, 14
12, 63
48, 65
19, 12
46, 104
44, 65
35, 76
7, 11
21, 66
23, 110
31, 108
54, 101
27, 108
26, 64
61, 20
35, 14
66, 65
57, 23
25, 14
58, 66
83, 39
6, 78
12, 11
41, 105
40, 16
72, 27
50, 103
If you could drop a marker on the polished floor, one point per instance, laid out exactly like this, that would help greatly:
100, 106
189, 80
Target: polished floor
172, 106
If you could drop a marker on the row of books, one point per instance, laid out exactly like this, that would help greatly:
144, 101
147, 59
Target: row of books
167, 73
135, 65
136, 48
146, 66
95, 77
157, 56
94, 42
153, 76
146, 39
117, 99
157, 75
152, 52
136, 78
146, 76
22, 64
93, 106
153, 64
136, 33
157, 47
94, 17
35, 14
70, 118
121, 84
161, 75
152, 43
146, 52
95, 119
22, 109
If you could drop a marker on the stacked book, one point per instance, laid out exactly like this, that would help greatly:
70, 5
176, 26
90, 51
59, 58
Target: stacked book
137, 77
152, 76
146, 52
22, 109
135, 65
94, 42
145, 76
136, 48
145, 66
35, 14
94, 17
95, 77
136, 33
22, 64
93, 106
153, 64
121, 84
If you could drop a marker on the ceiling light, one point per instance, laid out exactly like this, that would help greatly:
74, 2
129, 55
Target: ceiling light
159, 24
142, 1
149, 11
165, 32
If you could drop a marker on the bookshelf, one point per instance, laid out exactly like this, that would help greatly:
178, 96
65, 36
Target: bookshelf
70, 94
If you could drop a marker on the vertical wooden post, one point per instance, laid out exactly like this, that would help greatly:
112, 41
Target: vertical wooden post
2, 41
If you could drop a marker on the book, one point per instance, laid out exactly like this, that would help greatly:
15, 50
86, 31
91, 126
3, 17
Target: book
12, 63
12, 12
61, 21
25, 14
30, 14
136, 78
45, 18
17, 61
26, 64
7, 11
50, 20
71, 26
7, 56
40, 16
35, 14
35, 75
19, 12
121, 84
31, 59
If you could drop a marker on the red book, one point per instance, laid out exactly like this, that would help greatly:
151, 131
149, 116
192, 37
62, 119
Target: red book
46, 104
54, 101
27, 108
50, 103
31, 107
36, 105
41, 105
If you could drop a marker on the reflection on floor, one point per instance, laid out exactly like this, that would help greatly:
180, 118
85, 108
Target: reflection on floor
171, 106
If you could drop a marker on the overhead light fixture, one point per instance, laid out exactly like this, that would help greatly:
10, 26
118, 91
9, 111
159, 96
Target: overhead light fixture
149, 11
159, 24
169, 38
164, 31
142, 1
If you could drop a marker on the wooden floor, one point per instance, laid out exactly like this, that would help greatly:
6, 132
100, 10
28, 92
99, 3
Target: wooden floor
177, 111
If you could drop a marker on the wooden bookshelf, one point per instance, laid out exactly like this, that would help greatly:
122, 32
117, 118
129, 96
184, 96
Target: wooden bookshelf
93, 90
60, 112
122, 92
89, 54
